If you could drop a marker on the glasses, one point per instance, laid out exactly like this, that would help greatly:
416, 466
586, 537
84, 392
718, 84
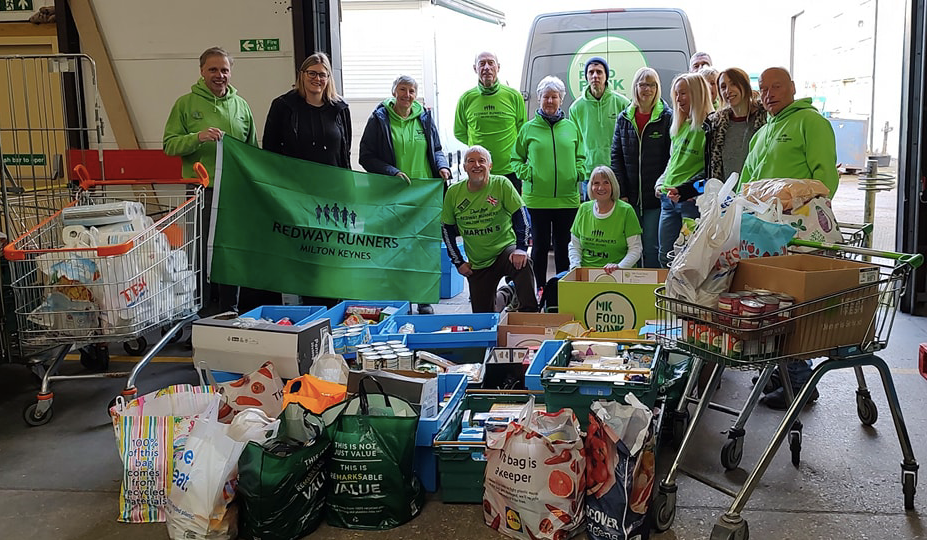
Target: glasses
643, 85
321, 75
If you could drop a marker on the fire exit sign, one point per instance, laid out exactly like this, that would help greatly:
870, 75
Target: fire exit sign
16, 5
257, 45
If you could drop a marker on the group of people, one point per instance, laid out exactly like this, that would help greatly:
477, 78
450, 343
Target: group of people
638, 162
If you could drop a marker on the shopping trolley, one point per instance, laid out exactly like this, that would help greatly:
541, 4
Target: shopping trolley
75, 283
769, 339
732, 450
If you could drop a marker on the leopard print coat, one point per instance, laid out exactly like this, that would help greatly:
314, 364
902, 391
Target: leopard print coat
718, 123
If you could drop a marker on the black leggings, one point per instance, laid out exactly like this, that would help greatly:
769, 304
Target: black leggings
544, 223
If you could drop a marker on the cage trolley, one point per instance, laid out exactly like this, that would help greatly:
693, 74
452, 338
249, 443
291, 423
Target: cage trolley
803, 330
119, 260
732, 450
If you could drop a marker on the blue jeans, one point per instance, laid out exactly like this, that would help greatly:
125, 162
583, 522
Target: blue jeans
671, 215
650, 237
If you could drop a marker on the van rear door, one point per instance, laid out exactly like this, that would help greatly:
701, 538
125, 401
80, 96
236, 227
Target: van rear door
560, 43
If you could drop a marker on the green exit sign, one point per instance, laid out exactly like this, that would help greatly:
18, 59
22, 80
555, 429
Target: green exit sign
16, 5
12, 160
257, 45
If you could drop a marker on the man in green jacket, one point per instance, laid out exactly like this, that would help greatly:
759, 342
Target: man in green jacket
490, 115
595, 114
199, 119
796, 142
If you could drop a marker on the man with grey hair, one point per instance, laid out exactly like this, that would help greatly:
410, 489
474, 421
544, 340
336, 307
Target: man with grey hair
197, 121
698, 61
401, 140
490, 216
490, 115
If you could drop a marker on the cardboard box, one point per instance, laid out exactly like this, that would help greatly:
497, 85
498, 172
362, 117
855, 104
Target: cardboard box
621, 301
225, 345
419, 389
527, 329
843, 320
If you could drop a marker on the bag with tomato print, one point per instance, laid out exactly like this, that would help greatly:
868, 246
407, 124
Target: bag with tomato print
619, 470
535, 476
261, 389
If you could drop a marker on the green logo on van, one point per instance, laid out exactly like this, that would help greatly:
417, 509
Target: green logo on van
623, 57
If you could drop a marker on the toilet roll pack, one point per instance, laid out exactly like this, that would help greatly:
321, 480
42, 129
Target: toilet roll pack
149, 282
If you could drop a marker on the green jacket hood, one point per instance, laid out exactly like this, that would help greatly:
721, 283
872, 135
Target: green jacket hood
417, 109
792, 108
199, 88
654, 114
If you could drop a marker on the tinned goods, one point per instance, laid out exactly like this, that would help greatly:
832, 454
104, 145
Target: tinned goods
751, 311
785, 302
729, 304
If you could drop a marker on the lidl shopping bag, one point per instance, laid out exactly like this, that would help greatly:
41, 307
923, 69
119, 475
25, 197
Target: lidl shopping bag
282, 482
619, 470
313, 393
203, 483
372, 482
535, 476
150, 432
260, 389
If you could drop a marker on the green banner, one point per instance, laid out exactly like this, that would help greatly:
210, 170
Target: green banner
293, 226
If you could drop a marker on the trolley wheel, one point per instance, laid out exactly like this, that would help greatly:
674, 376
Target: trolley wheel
34, 420
909, 487
795, 447
136, 347
680, 424
731, 453
867, 410
730, 531
664, 510
95, 357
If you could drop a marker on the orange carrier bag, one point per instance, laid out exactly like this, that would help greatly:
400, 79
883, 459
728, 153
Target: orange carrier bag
313, 393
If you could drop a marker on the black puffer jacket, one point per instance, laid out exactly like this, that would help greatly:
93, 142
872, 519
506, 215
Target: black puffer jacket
638, 160
376, 147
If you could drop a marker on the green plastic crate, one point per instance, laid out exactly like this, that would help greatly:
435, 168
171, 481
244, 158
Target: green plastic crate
461, 467
561, 392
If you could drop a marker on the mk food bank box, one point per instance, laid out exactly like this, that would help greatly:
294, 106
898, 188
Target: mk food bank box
621, 301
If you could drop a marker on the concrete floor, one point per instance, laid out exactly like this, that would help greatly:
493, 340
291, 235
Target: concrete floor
61, 480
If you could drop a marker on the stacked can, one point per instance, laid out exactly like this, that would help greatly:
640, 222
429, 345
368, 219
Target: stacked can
385, 355
732, 345
338, 339
770, 307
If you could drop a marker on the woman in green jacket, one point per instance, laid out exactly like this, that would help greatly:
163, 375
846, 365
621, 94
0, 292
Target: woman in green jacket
548, 159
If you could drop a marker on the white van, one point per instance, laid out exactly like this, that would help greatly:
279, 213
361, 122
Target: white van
560, 43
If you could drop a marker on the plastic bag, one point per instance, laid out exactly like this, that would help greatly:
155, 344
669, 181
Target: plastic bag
329, 366
620, 469
759, 238
281, 483
789, 192
313, 393
150, 433
535, 476
203, 482
261, 389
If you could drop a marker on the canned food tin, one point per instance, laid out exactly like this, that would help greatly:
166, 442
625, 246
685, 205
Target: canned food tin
762, 292
405, 360
728, 303
785, 301
690, 331
702, 330
732, 346
394, 342
371, 361
715, 339
750, 309
390, 361
770, 305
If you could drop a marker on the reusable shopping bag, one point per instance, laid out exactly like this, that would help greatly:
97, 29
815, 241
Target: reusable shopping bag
313, 393
759, 238
372, 483
814, 221
150, 433
620, 470
261, 389
330, 366
535, 476
203, 483
282, 482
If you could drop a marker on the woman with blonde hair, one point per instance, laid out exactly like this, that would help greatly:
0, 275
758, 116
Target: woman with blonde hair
311, 121
605, 232
691, 106
640, 151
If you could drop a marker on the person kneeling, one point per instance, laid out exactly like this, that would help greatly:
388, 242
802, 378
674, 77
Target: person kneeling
491, 217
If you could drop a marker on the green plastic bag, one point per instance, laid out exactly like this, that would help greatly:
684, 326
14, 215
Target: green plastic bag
671, 381
372, 485
281, 484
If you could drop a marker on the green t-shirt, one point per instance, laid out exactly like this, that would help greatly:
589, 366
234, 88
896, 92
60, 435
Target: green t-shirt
483, 217
687, 156
410, 147
605, 240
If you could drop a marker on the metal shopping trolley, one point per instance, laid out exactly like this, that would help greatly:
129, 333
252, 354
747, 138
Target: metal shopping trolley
82, 276
803, 330
732, 450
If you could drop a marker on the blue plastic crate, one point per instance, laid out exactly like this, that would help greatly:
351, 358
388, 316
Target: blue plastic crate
425, 337
426, 464
548, 350
452, 283
297, 314
337, 313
